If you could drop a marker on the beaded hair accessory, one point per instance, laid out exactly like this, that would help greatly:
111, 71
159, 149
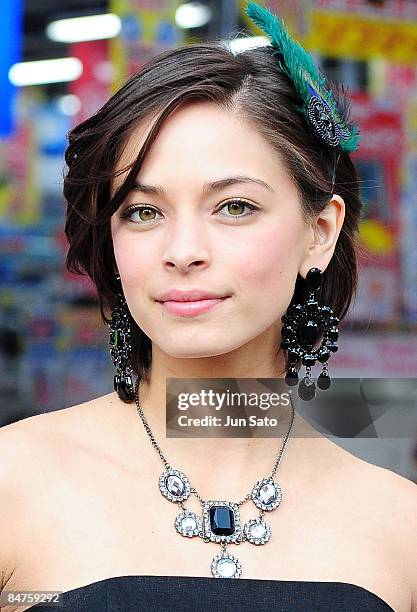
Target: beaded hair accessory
319, 105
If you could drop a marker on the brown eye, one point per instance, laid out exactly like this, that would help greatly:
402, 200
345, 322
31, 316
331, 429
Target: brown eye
143, 211
144, 214
235, 207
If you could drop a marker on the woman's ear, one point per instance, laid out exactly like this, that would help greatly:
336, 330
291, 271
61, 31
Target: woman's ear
325, 231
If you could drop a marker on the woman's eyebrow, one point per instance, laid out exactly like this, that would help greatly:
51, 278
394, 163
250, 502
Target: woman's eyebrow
207, 187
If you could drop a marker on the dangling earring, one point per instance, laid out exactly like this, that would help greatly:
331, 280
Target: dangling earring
303, 325
121, 349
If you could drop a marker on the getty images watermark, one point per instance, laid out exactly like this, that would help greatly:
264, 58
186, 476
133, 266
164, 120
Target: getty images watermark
229, 407
213, 400
262, 407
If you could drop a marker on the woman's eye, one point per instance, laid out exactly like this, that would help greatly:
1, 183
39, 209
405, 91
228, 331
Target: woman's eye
145, 212
235, 205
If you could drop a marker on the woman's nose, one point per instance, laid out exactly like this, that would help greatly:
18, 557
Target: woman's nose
187, 245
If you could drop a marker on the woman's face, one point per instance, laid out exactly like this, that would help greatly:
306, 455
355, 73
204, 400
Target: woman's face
187, 237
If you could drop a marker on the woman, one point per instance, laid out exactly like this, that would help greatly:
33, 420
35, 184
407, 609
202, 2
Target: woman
144, 218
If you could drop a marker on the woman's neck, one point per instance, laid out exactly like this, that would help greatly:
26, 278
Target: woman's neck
229, 462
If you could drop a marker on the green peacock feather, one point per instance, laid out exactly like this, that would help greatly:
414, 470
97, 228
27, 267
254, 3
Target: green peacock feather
307, 78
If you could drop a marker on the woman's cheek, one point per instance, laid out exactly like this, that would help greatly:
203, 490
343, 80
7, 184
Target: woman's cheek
267, 261
134, 264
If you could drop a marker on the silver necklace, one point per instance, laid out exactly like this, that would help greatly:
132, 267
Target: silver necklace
221, 521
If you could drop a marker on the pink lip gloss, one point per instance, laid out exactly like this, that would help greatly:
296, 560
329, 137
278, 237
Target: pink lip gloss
189, 309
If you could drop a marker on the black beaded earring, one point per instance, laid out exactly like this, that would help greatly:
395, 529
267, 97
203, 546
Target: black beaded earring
303, 325
121, 349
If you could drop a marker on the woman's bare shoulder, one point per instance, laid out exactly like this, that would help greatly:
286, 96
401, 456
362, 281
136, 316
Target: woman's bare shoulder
23, 437
44, 426
388, 501
399, 499
375, 478
27, 445
33, 451
32, 446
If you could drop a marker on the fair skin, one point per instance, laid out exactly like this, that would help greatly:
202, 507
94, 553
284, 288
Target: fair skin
78, 486
185, 244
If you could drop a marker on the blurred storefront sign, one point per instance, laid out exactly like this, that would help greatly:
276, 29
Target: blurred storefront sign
375, 355
148, 28
354, 29
92, 88
19, 193
362, 37
379, 293
394, 9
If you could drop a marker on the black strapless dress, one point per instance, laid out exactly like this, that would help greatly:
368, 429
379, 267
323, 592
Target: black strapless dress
198, 594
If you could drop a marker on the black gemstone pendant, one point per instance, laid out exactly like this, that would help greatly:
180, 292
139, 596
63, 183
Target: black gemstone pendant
323, 355
311, 306
291, 377
124, 388
325, 312
222, 520
308, 360
333, 334
307, 333
323, 381
288, 332
293, 354
307, 389
313, 279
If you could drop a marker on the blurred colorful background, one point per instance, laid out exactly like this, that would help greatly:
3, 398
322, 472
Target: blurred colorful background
60, 61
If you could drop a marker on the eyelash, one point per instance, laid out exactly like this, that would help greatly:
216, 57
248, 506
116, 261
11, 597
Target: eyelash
129, 211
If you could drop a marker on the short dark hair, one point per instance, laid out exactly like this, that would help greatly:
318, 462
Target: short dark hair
251, 84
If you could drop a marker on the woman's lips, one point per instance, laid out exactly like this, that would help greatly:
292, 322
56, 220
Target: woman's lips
189, 309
